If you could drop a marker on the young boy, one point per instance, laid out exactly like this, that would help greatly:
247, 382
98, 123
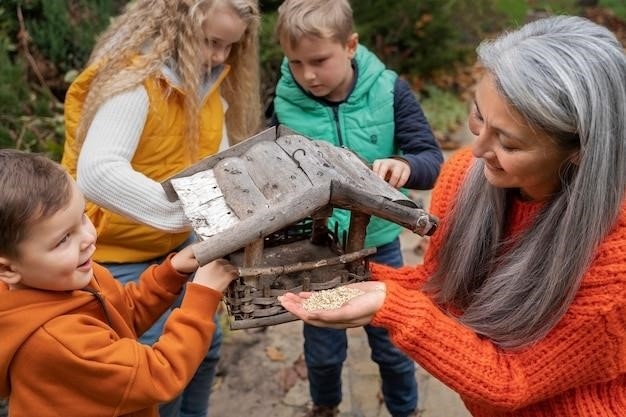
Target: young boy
69, 328
332, 89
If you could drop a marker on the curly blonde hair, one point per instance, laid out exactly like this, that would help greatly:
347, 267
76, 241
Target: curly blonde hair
151, 34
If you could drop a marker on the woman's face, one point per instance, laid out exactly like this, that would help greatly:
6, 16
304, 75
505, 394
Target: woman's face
515, 154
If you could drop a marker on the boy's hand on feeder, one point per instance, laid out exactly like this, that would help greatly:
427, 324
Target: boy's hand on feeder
394, 171
185, 261
356, 312
217, 274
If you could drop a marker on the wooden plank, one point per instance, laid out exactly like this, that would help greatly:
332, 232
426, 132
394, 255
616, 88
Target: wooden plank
259, 322
304, 266
274, 172
322, 160
211, 161
239, 190
204, 204
306, 155
413, 218
320, 157
354, 171
349, 166
262, 224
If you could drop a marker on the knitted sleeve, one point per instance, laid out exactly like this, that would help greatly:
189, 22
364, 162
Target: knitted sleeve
105, 174
588, 345
452, 174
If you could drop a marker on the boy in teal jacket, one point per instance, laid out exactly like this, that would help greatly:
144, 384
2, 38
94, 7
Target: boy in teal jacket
335, 90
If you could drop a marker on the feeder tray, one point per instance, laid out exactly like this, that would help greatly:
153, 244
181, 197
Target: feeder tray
264, 205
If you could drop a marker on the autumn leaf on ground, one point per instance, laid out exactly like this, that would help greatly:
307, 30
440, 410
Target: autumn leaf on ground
299, 366
274, 354
289, 376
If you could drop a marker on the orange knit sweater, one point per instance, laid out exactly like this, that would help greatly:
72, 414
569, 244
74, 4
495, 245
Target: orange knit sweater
578, 369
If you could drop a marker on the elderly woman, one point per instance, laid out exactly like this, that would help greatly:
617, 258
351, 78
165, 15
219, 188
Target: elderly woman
520, 304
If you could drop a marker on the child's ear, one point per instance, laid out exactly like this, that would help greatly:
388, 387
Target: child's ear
8, 274
352, 44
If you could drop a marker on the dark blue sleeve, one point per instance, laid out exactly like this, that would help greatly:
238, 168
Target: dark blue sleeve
415, 139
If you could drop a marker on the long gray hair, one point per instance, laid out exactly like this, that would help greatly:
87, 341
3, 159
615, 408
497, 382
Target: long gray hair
567, 77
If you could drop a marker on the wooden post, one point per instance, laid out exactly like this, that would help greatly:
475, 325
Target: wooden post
356, 234
253, 253
356, 237
320, 217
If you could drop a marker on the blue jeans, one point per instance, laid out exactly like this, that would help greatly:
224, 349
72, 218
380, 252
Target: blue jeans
325, 351
194, 400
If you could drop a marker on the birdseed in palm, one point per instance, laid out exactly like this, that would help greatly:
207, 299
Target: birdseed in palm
330, 299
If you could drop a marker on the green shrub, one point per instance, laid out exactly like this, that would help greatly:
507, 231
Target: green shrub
57, 37
617, 6
14, 89
517, 12
417, 37
271, 56
64, 31
444, 110
420, 39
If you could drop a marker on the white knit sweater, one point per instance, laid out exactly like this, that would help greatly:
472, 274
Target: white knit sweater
104, 171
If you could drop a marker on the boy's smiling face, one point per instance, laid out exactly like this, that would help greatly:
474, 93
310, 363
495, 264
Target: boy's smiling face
56, 252
323, 66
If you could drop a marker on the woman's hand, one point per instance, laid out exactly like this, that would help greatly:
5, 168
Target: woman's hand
356, 312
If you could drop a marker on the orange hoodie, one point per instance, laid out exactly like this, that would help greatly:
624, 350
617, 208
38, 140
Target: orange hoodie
577, 370
75, 353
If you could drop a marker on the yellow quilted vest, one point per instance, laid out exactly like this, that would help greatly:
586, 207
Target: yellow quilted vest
161, 153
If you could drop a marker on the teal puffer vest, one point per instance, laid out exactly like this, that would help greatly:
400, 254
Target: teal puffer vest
363, 123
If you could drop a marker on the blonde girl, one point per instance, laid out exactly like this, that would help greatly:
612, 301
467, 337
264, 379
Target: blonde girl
168, 83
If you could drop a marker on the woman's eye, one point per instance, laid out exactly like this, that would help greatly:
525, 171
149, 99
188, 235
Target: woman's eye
505, 145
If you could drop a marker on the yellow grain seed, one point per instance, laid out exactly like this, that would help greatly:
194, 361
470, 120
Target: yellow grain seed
330, 299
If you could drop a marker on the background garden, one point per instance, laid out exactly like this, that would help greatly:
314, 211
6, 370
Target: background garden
45, 43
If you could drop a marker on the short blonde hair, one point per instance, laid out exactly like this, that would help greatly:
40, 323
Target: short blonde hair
330, 19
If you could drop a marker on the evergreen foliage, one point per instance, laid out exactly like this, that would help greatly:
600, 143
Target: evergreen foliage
44, 43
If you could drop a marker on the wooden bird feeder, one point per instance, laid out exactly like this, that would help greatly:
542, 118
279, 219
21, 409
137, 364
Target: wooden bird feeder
264, 204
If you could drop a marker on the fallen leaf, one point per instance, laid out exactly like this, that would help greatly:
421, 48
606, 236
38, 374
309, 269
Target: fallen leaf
274, 354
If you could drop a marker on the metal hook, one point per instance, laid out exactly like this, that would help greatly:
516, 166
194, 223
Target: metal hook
293, 155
